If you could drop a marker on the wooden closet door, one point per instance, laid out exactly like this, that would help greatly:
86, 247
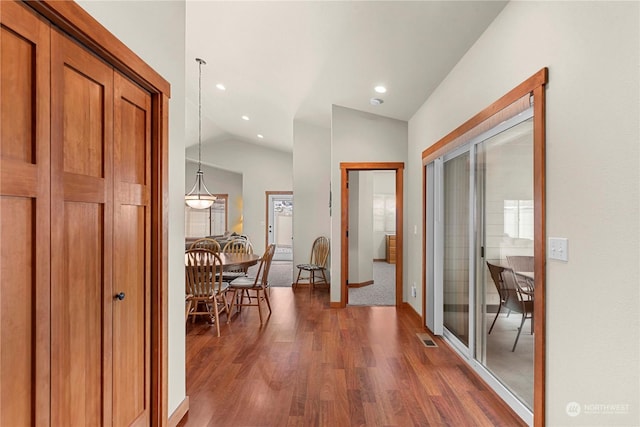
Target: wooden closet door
24, 217
131, 255
81, 235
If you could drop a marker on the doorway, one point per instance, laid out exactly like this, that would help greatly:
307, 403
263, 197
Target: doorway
372, 238
346, 169
280, 224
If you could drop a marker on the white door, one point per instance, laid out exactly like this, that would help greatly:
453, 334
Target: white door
280, 226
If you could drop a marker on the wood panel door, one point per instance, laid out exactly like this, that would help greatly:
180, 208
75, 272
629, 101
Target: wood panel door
76, 225
81, 235
24, 217
131, 255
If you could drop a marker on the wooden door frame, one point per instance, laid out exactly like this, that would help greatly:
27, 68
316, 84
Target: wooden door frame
77, 23
345, 168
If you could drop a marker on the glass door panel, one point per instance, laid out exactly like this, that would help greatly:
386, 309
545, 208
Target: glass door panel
504, 194
456, 246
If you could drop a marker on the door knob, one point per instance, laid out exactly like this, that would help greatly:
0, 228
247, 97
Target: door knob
120, 296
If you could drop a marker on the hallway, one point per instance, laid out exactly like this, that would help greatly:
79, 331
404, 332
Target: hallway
311, 365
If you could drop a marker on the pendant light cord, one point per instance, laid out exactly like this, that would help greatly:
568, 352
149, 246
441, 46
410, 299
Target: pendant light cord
200, 62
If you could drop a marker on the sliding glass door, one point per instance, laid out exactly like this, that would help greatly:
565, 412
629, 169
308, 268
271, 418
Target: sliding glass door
504, 182
480, 199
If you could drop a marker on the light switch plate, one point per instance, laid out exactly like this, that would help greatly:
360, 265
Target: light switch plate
559, 248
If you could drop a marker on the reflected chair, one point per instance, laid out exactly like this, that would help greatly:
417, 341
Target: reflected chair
317, 263
206, 243
522, 263
204, 283
242, 287
512, 296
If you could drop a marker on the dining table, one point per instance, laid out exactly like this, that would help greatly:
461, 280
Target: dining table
235, 260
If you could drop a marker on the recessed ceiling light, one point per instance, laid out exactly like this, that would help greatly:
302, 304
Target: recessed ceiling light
220, 86
376, 101
260, 136
380, 89
245, 117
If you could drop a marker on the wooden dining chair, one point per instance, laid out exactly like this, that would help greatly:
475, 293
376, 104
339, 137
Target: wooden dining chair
206, 243
236, 246
204, 282
512, 296
253, 288
317, 264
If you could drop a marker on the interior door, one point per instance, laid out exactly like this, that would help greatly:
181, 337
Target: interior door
280, 226
24, 217
81, 235
131, 257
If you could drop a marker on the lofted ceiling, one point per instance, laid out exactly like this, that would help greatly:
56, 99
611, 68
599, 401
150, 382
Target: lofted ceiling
282, 61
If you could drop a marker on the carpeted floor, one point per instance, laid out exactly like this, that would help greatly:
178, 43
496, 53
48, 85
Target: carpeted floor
280, 274
383, 290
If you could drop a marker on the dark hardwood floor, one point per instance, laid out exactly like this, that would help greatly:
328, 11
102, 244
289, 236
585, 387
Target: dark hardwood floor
311, 365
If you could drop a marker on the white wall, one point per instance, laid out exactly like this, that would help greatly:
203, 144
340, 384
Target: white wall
262, 170
311, 184
219, 181
360, 227
384, 182
357, 136
155, 31
593, 186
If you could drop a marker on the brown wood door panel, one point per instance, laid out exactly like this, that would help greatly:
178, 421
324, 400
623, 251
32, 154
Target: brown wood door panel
24, 217
131, 257
81, 235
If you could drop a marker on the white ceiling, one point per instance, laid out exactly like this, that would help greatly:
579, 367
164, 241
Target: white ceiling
282, 61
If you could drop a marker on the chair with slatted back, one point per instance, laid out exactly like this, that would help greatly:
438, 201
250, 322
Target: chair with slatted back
512, 296
522, 263
204, 282
238, 245
253, 288
206, 243
317, 264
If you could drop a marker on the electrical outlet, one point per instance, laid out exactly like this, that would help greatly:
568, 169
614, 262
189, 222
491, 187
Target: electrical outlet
413, 290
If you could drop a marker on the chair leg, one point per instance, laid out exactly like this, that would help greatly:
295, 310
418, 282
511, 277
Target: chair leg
495, 318
297, 279
233, 302
312, 280
324, 277
266, 298
216, 315
259, 305
524, 317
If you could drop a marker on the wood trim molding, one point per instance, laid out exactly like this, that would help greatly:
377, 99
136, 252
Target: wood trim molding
437, 149
179, 413
345, 168
410, 309
540, 255
360, 285
533, 85
75, 21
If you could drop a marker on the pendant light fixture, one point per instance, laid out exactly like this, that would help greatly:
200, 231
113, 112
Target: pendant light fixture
199, 197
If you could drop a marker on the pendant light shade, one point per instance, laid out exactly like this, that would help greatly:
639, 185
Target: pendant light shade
199, 197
